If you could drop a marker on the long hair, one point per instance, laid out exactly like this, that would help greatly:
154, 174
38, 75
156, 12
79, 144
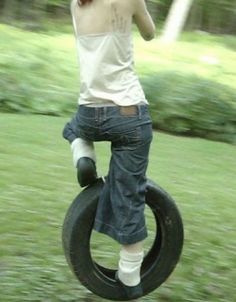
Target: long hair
82, 2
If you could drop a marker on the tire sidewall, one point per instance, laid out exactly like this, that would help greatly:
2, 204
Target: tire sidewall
158, 263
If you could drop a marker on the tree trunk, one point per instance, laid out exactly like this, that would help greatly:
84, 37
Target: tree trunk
176, 19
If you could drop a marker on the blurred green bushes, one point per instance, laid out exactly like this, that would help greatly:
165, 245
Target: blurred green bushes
179, 103
187, 104
39, 75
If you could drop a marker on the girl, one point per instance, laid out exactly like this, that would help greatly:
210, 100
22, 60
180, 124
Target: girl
113, 107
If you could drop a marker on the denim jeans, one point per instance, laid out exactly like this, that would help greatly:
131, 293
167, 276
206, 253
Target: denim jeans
120, 211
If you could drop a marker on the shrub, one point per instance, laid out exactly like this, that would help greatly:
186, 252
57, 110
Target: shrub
190, 105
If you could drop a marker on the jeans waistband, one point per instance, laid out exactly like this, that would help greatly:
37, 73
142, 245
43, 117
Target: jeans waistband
133, 110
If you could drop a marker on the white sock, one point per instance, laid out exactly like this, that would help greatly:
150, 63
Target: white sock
129, 267
82, 148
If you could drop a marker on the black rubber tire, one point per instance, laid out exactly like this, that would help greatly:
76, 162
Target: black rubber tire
158, 263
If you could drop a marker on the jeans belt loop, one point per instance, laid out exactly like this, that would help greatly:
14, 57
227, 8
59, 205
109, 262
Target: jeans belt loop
139, 111
105, 114
96, 114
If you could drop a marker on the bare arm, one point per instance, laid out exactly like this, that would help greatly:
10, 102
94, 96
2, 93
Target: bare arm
73, 4
143, 20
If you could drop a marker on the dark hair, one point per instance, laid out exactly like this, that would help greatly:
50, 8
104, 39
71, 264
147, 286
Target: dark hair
82, 2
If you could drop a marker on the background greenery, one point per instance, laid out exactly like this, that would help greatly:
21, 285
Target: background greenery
191, 85
191, 88
211, 16
39, 184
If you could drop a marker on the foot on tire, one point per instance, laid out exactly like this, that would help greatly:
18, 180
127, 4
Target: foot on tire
86, 171
132, 292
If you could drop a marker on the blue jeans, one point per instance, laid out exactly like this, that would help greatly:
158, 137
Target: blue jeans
120, 211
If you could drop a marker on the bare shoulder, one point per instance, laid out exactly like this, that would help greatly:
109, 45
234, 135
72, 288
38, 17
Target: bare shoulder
73, 3
139, 5
123, 4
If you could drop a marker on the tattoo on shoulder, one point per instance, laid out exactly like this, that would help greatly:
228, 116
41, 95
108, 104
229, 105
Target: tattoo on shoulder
119, 23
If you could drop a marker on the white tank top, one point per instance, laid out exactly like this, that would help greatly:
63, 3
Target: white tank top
106, 70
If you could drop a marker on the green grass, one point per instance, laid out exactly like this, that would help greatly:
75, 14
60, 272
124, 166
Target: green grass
38, 183
190, 85
208, 56
40, 70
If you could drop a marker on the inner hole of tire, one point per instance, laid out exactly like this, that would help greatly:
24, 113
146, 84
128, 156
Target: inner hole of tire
105, 251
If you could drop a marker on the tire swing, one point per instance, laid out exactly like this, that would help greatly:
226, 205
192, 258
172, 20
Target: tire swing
159, 261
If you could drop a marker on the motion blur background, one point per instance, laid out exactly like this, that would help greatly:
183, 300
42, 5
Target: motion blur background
38, 45
189, 76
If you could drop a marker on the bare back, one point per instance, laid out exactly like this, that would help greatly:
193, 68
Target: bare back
101, 16
105, 50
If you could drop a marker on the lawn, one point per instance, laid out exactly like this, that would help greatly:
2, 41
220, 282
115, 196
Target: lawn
38, 183
40, 70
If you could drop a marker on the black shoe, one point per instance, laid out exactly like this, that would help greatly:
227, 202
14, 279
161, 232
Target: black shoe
132, 292
86, 171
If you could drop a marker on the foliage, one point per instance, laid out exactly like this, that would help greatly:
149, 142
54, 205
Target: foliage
210, 16
216, 16
42, 78
186, 104
38, 183
213, 16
